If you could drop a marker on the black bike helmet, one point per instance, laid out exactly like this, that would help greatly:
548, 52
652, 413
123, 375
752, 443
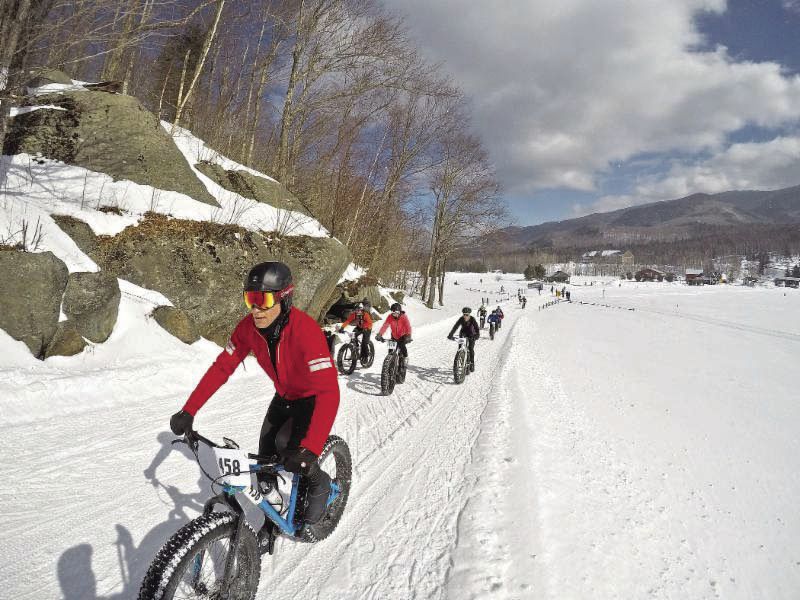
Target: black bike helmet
271, 277
466, 310
396, 307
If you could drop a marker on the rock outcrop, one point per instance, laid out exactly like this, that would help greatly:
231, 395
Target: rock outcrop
107, 133
67, 341
177, 322
30, 302
200, 266
252, 186
91, 303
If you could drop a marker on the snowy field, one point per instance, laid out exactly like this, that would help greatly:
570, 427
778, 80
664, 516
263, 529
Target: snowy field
597, 452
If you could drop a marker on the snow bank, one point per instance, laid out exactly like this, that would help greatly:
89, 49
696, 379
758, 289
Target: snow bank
21, 110
237, 209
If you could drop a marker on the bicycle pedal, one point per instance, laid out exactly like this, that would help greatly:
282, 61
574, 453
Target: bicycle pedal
266, 539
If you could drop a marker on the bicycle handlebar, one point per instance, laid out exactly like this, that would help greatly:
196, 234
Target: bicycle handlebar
194, 436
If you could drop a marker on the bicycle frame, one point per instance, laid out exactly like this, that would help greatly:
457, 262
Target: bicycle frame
229, 494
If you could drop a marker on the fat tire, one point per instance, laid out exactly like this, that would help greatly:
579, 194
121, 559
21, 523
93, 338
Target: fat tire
491, 331
371, 358
459, 366
346, 365
402, 365
388, 374
168, 567
344, 475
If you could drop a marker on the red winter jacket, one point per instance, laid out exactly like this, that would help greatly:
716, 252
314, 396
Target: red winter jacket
400, 326
304, 368
363, 321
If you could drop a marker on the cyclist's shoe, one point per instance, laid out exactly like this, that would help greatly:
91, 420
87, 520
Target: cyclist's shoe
319, 488
471, 367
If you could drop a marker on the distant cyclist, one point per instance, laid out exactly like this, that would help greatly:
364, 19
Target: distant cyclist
500, 314
470, 331
482, 315
362, 323
401, 330
494, 318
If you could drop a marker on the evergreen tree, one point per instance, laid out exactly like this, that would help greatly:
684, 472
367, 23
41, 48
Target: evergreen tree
529, 273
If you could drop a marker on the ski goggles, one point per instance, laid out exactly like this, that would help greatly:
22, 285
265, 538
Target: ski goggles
265, 300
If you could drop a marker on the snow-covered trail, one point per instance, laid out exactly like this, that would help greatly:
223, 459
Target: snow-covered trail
594, 453
116, 489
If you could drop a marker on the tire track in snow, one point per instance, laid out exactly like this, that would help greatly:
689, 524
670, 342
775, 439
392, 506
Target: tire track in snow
397, 534
497, 525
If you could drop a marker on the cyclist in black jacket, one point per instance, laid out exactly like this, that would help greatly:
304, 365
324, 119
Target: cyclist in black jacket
469, 330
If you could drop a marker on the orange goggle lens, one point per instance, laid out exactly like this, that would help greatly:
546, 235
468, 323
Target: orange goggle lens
260, 299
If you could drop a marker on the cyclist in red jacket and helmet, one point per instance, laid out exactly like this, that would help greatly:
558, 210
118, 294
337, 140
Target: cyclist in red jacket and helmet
291, 349
401, 331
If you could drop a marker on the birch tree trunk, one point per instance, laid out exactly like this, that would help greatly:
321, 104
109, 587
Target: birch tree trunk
212, 31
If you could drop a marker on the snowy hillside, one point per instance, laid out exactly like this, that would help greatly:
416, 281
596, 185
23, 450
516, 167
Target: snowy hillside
35, 188
597, 452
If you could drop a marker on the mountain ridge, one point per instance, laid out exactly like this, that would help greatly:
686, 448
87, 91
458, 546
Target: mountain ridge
665, 220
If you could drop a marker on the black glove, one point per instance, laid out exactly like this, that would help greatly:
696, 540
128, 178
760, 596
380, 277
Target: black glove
298, 460
181, 422
379, 337
450, 337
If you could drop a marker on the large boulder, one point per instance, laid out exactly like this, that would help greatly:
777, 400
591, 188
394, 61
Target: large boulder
78, 230
67, 341
49, 76
200, 266
365, 288
91, 302
30, 298
107, 133
177, 322
252, 186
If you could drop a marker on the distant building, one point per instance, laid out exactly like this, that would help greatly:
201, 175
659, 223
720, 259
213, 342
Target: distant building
648, 274
558, 277
627, 259
600, 254
790, 282
694, 276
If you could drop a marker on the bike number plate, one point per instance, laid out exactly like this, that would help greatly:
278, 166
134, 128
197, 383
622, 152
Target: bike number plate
233, 465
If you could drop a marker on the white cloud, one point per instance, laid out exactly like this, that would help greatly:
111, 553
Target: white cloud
562, 89
748, 166
791, 5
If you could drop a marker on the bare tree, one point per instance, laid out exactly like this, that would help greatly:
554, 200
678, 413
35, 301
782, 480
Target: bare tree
464, 191
211, 32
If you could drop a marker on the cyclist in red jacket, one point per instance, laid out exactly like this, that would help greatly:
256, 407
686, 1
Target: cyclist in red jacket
362, 323
401, 330
290, 347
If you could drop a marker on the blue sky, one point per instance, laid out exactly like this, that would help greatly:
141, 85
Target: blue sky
592, 105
